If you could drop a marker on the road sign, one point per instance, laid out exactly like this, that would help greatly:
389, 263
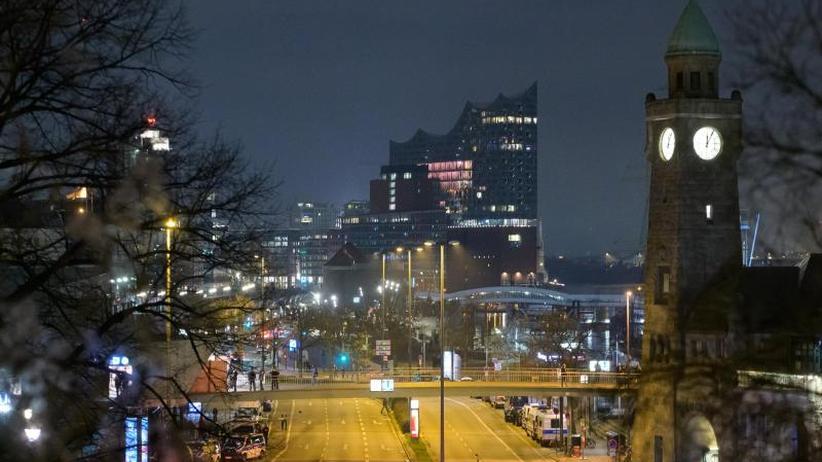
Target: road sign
382, 385
383, 348
414, 421
613, 444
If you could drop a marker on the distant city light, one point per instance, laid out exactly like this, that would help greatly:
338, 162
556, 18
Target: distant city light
32, 434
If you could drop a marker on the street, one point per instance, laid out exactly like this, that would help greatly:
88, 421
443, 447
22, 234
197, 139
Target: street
334, 430
476, 432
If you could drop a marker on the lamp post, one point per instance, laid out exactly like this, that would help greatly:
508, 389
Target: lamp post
263, 324
382, 305
628, 330
170, 225
410, 298
442, 352
442, 245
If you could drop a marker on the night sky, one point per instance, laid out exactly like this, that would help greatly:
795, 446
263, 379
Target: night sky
321, 87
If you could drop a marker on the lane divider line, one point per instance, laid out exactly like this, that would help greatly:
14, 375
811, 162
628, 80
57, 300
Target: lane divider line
487, 428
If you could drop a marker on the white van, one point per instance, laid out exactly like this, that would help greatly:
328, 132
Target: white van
547, 426
528, 413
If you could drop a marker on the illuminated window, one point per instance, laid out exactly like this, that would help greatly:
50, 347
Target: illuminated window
514, 240
709, 214
406, 175
393, 176
663, 285
392, 207
479, 194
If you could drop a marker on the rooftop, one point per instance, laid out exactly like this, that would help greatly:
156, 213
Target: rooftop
693, 34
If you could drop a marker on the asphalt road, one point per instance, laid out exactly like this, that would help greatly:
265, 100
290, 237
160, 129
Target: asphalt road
333, 430
475, 431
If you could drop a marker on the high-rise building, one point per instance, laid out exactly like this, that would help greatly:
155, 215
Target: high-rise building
476, 184
313, 216
486, 165
402, 188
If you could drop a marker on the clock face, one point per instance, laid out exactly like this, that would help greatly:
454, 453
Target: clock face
707, 143
667, 143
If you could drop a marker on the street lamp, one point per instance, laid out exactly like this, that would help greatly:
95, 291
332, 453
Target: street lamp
170, 224
262, 305
628, 330
442, 245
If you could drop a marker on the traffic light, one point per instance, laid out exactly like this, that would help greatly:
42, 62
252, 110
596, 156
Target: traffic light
343, 358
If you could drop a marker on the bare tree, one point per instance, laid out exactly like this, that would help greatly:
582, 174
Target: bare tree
778, 49
558, 332
90, 182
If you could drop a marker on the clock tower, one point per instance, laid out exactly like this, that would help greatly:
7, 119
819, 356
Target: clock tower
693, 141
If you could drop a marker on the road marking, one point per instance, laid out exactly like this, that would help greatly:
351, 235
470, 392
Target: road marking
287, 433
487, 428
518, 431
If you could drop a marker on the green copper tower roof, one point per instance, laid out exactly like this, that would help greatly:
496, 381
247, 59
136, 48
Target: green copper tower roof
693, 34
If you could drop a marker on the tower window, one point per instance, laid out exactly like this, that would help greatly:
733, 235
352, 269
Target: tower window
695, 83
663, 284
711, 85
709, 214
680, 81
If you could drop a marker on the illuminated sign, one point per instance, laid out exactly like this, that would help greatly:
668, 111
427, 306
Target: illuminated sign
382, 384
143, 439
119, 370
292, 345
131, 440
414, 423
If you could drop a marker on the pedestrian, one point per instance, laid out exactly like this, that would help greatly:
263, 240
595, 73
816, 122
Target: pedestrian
252, 379
314, 376
283, 422
214, 414
262, 375
275, 379
234, 379
118, 383
562, 374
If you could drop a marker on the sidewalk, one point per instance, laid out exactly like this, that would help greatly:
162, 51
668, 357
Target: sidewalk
576, 459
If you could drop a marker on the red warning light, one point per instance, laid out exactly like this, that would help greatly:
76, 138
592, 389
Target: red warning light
151, 120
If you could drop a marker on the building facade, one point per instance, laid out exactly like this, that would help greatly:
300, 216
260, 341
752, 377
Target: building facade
486, 165
720, 380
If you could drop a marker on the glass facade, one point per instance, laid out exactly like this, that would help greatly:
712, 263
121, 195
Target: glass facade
487, 163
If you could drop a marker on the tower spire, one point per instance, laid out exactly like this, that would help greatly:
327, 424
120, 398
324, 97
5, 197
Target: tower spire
693, 56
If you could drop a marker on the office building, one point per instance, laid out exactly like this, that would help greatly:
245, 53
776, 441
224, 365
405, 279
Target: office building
486, 165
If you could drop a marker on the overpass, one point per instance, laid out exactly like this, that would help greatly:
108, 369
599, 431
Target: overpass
425, 383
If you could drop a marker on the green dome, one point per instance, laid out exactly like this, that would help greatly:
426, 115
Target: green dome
693, 34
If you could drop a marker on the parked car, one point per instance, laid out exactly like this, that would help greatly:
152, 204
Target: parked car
244, 447
499, 402
252, 413
244, 427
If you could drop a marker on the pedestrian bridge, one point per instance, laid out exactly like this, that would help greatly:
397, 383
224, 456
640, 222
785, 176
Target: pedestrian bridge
425, 383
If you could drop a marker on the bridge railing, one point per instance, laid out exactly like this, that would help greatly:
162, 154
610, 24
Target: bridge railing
530, 375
